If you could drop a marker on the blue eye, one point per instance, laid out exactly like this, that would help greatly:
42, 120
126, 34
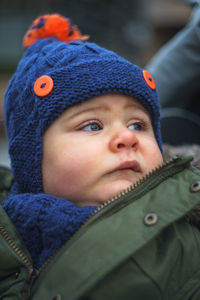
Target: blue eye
135, 126
92, 127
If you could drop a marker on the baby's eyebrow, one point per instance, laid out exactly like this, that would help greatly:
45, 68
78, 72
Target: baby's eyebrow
136, 107
103, 107
87, 110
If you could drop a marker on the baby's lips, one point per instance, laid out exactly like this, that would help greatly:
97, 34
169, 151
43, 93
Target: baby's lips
133, 165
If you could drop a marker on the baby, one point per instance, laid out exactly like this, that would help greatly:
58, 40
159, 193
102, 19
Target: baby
82, 125
96, 149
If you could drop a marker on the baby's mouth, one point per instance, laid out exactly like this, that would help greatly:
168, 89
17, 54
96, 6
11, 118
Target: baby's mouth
128, 165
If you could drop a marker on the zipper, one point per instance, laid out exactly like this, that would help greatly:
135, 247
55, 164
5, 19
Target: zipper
137, 185
26, 290
16, 249
180, 161
33, 273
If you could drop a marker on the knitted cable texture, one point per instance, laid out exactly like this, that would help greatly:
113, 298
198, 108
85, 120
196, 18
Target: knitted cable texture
45, 222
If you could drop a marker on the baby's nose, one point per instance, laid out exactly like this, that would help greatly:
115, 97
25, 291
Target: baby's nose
125, 139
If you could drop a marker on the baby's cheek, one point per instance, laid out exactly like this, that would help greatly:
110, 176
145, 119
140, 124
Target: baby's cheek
77, 167
151, 154
155, 160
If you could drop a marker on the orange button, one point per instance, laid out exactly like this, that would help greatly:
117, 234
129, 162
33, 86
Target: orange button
43, 86
149, 79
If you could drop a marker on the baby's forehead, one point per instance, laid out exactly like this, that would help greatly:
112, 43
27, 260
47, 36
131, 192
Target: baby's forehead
106, 103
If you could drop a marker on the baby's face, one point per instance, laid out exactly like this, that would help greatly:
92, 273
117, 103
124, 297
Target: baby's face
96, 149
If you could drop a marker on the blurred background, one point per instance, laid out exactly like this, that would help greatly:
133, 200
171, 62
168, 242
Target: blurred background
135, 29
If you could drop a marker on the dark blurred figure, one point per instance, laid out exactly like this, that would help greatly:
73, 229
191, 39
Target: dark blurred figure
176, 70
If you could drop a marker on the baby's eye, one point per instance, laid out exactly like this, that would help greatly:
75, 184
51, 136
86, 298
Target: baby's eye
92, 127
136, 126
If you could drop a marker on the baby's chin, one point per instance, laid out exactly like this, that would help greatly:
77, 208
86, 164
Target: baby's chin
111, 191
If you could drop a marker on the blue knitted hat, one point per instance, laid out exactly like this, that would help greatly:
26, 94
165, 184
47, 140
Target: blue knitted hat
75, 71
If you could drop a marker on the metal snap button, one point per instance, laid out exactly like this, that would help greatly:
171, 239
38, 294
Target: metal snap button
175, 158
150, 219
195, 187
17, 274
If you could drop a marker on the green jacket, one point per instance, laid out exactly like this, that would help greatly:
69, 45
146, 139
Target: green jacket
141, 245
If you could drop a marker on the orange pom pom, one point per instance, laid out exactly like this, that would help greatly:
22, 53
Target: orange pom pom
53, 25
